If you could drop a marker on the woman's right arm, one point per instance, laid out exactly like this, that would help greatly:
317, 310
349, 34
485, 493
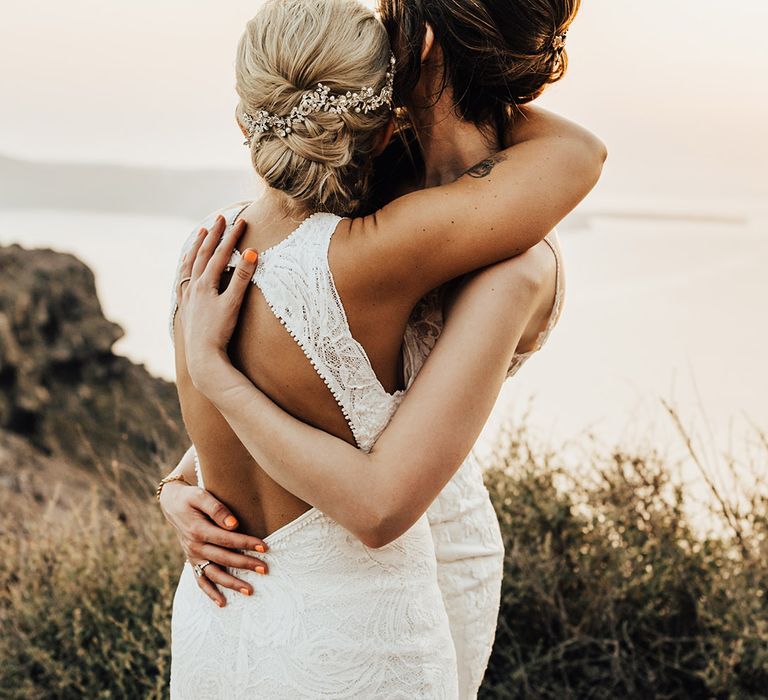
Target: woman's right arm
498, 209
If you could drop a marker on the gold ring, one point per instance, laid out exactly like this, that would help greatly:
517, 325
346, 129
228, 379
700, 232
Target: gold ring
183, 279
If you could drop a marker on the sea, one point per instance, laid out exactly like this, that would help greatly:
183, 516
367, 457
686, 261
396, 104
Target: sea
662, 311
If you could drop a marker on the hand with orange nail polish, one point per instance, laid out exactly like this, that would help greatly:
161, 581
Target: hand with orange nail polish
205, 528
208, 316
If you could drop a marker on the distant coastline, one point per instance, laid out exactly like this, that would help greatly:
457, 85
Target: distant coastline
119, 189
193, 193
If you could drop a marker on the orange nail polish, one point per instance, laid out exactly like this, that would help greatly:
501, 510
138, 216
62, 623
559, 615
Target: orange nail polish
250, 256
260, 548
219, 603
245, 591
261, 570
230, 521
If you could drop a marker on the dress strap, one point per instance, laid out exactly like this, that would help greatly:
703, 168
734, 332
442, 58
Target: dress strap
557, 305
297, 284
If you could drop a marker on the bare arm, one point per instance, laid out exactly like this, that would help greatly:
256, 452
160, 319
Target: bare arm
498, 209
186, 467
379, 495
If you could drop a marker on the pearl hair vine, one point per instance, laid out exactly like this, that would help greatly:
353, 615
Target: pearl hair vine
320, 99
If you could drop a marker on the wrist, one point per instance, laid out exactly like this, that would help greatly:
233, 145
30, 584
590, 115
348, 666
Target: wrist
168, 491
221, 380
208, 372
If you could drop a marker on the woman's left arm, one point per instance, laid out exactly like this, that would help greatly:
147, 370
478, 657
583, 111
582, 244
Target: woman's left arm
379, 495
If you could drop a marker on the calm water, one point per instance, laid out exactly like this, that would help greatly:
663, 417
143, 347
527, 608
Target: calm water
654, 310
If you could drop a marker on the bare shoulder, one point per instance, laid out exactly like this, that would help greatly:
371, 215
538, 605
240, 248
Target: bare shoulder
227, 212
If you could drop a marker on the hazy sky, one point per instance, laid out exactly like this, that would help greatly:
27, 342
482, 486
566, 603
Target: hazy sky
676, 88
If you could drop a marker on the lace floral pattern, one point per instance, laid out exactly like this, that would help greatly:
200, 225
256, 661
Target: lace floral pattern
333, 619
298, 286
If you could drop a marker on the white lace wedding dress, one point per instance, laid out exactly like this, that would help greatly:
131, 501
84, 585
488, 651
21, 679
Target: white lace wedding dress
333, 619
468, 544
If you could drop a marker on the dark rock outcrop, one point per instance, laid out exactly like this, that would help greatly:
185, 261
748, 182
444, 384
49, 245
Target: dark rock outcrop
62, 389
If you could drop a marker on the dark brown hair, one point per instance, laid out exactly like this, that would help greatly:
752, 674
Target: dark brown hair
498, 53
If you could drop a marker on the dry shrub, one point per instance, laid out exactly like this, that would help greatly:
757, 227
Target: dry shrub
610, 593
86, 593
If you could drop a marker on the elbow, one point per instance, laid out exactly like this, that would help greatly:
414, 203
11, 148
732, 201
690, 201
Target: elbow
378, 539
596, 154
585, 157
379, 530
601, 152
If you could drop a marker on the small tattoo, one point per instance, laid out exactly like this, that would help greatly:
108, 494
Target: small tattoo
484, 167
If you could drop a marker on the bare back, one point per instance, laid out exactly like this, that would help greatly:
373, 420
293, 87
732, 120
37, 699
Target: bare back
265, 350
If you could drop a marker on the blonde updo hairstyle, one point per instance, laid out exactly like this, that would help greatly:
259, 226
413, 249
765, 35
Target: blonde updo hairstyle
324, 163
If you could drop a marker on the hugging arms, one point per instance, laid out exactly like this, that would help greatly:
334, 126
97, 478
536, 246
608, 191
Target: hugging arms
549, 167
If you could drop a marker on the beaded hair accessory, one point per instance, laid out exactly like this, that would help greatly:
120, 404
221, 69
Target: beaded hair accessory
558, 43
321, 100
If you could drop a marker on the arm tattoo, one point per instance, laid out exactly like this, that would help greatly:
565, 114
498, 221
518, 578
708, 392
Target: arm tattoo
484, 167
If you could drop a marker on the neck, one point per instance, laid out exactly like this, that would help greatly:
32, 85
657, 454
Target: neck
450, 145
279, 205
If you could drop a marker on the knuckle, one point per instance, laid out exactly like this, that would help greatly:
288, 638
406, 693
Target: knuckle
215, 575
217, 509
246, 563
243, 274
234, 542
196, 532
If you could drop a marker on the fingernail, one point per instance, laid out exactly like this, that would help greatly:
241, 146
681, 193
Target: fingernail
220, 603
260, 548
245, 591
201, 233
261, 570
230, 521
250, 256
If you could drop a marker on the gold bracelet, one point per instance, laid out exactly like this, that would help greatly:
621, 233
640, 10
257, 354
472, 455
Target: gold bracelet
167, 480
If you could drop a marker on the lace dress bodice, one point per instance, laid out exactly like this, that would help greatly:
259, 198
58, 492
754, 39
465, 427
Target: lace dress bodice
297, 284
333, 618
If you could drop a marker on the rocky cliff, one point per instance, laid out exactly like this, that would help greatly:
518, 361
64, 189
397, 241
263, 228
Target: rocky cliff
65, 397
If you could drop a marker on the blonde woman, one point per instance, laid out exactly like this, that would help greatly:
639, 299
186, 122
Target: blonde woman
351, 606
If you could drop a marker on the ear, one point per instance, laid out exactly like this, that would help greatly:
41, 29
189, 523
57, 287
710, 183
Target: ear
384, 138
428, 43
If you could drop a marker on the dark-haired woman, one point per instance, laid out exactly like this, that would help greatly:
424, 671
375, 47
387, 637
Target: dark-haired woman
487, 58
455, 138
